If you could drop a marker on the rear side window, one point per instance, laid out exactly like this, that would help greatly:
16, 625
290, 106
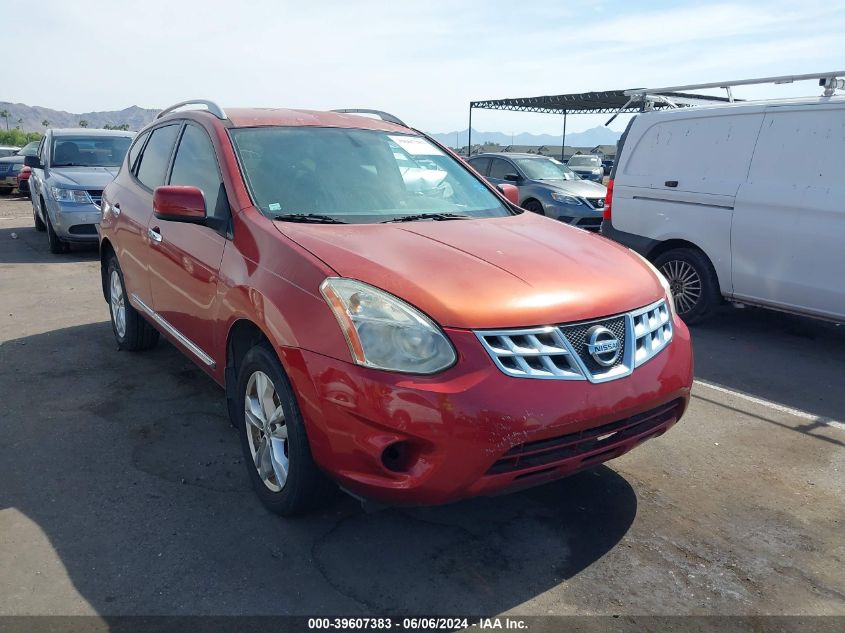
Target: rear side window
153, 167
480, 165
196, 165
136, 149
500, 167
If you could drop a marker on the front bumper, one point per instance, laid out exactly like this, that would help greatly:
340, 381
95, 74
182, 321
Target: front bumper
588, 175
9, 181
75, 222
472, 430
581, 215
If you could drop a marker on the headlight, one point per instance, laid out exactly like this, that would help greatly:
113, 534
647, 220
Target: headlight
562, 197
663, 282
384, 332
71, 195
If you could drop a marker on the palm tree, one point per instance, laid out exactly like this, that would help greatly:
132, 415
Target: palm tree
45, 123
6, 114
83, 123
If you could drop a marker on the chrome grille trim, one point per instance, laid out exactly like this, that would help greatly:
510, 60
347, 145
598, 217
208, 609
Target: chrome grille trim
547, 353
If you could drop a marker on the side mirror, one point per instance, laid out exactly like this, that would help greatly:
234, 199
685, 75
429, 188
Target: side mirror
32, 161
512, 178
510, 192
179, 204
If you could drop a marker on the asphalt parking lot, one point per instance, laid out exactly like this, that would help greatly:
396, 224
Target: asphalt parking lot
122, 489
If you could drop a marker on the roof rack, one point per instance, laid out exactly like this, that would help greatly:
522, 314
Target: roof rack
384, 116
830, 81
212, 107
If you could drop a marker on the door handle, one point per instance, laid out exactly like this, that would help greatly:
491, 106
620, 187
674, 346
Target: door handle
671, 183
154, 235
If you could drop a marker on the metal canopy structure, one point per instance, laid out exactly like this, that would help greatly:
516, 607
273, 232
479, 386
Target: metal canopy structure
606, 102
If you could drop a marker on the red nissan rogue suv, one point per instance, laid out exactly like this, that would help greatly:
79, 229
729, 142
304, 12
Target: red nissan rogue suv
378, 314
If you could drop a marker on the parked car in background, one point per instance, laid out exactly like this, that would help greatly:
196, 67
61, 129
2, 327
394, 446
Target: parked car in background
365, 326
546, 186
23, 180
587, 166
8, 150
719, 200
69, 172
11, 165
607, 165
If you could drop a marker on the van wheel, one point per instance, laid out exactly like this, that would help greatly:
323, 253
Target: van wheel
534, 207
131, 331
275, 445
693, 281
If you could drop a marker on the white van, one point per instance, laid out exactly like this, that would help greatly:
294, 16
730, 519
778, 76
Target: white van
744, 201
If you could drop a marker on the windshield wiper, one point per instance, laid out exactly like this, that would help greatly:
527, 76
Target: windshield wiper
429, 216
313, 218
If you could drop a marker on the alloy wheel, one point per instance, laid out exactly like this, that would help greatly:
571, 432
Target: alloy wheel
266, 431
685, 283
118, 305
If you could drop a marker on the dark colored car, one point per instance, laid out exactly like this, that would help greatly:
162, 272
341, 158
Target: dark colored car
10, 167
378, 314
607, 164
546, 186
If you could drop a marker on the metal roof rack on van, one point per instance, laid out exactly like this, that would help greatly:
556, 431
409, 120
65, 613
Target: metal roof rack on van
830, 81
384, 116
668, 96
212, 107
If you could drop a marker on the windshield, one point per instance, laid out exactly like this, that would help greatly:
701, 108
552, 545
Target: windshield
89, 151
30, 149
357, 176
545, 169
584, 161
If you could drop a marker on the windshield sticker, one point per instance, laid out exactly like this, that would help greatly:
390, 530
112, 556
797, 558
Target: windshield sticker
274, 206
416, 146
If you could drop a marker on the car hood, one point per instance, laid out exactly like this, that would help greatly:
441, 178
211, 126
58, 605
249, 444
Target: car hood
489, 273
581, 188
95, 177
11, 159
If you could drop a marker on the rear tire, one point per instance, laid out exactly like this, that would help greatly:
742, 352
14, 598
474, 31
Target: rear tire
131, 331
534, 207
275, 445
693, 281
57, 244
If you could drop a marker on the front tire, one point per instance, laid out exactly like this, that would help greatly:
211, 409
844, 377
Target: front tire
693, 281
534, 207
57, 244
275, 445
131, 331
39, 223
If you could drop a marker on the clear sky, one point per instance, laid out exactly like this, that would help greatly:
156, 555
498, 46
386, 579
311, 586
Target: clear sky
423, 61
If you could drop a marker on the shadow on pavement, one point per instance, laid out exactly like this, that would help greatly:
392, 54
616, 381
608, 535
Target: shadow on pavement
793, 361
30, 247
128, 465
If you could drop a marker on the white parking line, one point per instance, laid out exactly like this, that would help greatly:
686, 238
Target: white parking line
798, 413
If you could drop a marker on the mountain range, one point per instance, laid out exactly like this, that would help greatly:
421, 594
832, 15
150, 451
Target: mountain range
31, 118
587, 138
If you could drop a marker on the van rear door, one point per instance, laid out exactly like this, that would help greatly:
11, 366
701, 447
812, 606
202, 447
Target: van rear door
679, 175
789, 221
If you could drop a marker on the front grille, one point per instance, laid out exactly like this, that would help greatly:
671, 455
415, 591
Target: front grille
596, 203
577, 337
560, 352
96, 195
83, 229
607, 436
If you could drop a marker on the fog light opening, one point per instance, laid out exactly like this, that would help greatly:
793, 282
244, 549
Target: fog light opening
397, 457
